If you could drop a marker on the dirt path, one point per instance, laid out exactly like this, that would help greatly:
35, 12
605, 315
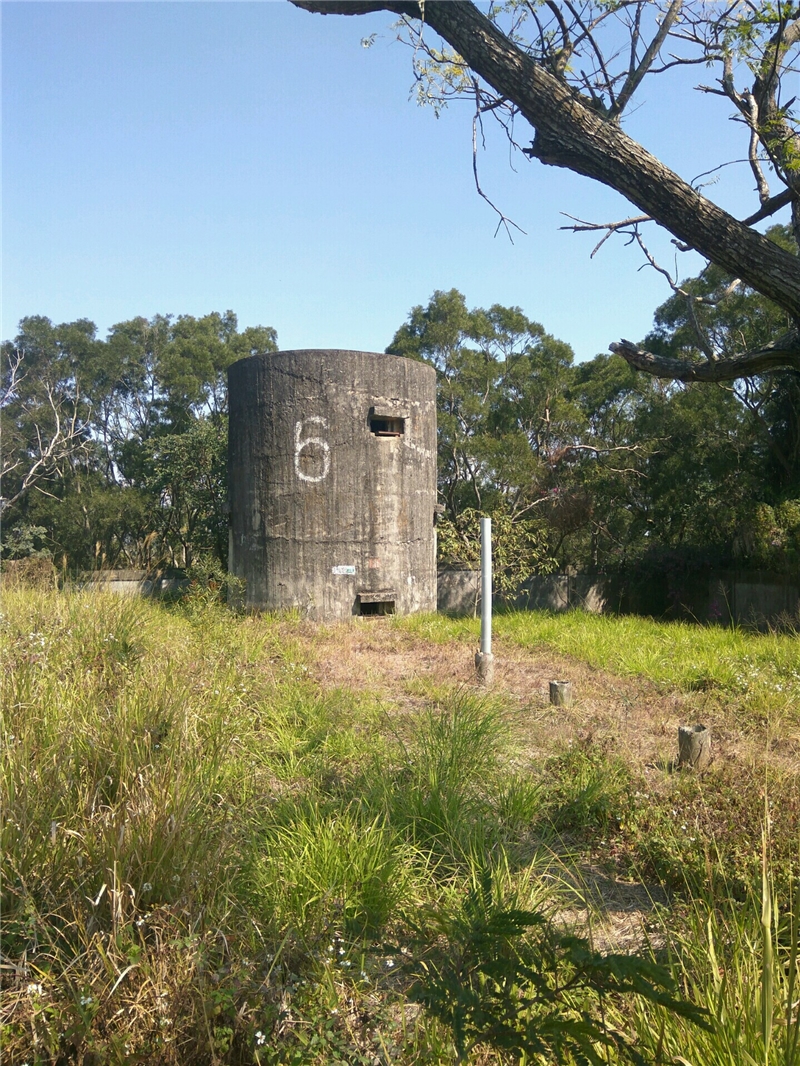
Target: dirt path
630, 715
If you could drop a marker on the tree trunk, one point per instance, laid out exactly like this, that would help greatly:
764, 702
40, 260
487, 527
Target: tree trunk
571, 134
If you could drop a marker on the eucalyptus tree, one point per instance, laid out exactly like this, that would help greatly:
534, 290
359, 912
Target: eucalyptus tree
730, 475
572, 71
505, 427
711, 471
45, 416
504, 419
159, 375
722, 316
116, 449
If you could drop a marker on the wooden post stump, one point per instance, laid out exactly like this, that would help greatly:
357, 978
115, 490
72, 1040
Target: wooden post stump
561, 693
694, 747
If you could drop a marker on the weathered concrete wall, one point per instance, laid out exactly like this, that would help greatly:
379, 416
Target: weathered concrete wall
560, 592
724, 597
755, 598
739, 597
332, 482
752, 598
460, 593
133, 582
122, 582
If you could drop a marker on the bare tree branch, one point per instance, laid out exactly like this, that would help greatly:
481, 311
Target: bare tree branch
571, 134
636, 74
505, 222
784, 352
574, 131
563, 57
589, 36
610, 227
13, 377
752, 150
53, 445
772, 205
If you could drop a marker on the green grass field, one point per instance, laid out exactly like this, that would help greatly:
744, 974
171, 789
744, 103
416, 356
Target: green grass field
212, 854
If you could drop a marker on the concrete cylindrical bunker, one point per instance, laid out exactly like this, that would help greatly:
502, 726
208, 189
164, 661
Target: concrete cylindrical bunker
332, 482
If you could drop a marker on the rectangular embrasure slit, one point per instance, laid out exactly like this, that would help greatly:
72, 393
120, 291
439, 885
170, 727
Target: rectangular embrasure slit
381, 601
381, 426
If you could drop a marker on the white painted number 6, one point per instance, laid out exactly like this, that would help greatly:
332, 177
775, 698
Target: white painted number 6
301, 442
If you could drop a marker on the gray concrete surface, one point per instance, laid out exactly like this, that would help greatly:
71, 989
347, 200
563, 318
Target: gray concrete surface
332, 482
460, 593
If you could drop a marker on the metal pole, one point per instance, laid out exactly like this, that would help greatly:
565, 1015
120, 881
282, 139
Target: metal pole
486, 586
484, 660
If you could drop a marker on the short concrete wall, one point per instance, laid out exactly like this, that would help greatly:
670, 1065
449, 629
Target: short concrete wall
460, 593
750, 598
754, 598
132, 582
562, 592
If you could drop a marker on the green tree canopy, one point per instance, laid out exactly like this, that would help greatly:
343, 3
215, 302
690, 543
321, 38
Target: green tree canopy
116, 448
504, 419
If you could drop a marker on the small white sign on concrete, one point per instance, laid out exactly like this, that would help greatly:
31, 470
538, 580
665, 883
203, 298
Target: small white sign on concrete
343, 570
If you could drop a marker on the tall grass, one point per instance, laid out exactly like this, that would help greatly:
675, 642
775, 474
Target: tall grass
440, 792
337, 876
208, 858
739, 962
200, 846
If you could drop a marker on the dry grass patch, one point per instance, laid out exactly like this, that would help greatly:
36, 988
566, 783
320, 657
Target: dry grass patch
637, 717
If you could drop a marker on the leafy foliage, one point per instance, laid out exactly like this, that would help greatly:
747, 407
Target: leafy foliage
596, 466
502, 407
502, 978
520, 548
591, 466
117, 448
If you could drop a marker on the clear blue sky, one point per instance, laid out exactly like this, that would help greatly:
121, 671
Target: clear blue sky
190, 157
